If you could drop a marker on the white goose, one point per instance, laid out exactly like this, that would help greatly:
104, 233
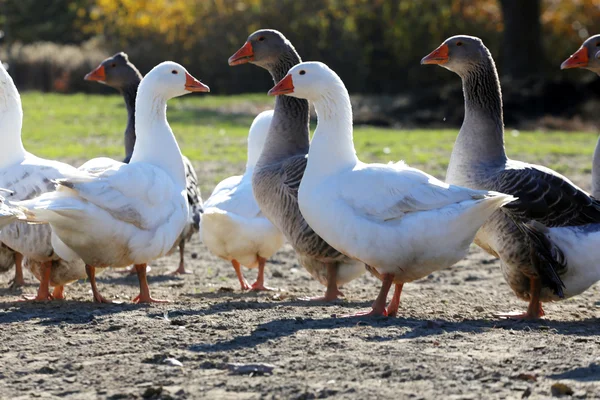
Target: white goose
401, 222
233, 226
126, 213
26, 176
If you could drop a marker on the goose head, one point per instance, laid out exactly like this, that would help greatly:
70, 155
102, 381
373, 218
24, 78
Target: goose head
459, 54
263, 48
116, 72
308, 80
170, 79
585, 57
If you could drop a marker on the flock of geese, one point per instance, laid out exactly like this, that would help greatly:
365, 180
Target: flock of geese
341, 216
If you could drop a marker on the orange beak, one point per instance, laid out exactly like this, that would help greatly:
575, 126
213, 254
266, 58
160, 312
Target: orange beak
194, 85
99, 74
285, 86
243, 55
578, 60
438, 56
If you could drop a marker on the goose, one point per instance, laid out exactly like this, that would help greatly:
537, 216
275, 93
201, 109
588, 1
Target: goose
125, 213
119, 73
399, 221
280, 167
27, 176
582, 59
545, 197
233, 227
577, 247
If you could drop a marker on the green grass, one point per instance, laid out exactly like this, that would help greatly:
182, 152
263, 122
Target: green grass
212, 131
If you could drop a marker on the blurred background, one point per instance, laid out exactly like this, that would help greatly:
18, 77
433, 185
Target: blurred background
374, 45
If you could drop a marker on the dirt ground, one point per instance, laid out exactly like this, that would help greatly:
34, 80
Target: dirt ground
445, 343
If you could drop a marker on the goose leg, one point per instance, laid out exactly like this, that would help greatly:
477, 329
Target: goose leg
144, 296
18, 280
534, 310
332, 292
91, 273
260, 279
378, 308
181, 269
238, 271
392, 309
59, 292
43, 293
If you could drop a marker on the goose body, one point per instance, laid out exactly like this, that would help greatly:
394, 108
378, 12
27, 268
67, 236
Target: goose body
545, 197
279, 170
233, 226
128, 213
118, 72
27, 176
577, 246
401, 222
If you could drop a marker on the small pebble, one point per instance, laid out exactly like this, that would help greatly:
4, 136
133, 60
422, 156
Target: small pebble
173, 362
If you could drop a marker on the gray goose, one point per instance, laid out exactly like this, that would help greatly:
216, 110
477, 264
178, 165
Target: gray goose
119, 73
588, 57
534, 268
281, 165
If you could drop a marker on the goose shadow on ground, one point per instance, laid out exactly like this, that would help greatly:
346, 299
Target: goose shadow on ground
582, 374
418, 328
60, 311
132, 280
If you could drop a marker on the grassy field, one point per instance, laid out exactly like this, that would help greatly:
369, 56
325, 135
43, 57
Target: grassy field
212, 131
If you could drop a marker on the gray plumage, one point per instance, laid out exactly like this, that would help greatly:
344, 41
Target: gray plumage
591, 46
479, 161
280, 168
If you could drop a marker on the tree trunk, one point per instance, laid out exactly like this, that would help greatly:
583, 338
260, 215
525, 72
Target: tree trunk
522, 42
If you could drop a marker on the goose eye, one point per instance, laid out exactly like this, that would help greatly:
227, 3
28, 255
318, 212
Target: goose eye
174, 72
262, 38
113, 65
303, 72
459, 43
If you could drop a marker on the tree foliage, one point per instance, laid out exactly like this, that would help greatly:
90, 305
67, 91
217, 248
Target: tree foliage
375, 45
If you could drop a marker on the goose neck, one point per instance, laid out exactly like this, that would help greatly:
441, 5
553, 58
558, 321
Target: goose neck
596, 171
129, 93
155, 142
289, 131
332, 147
481, 137
11, 120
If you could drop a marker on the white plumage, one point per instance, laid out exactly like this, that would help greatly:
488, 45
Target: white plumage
233, 226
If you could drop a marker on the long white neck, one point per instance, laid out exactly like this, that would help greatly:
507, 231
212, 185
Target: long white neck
155, 143
11, 121
596, 171
332, 146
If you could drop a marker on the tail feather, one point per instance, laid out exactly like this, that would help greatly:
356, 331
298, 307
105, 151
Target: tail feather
547, 258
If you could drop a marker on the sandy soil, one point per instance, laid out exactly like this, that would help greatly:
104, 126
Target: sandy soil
445, 341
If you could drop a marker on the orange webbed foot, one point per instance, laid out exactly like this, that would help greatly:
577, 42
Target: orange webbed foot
139, 299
